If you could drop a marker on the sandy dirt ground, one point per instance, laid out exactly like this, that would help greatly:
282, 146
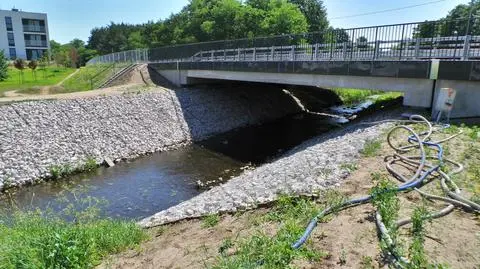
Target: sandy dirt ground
349, 238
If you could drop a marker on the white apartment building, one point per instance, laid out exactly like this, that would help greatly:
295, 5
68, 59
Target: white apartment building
23, 34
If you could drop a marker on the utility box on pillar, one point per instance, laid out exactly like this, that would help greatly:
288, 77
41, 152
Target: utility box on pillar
445, 101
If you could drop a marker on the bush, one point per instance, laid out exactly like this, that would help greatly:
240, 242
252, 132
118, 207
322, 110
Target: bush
3, 66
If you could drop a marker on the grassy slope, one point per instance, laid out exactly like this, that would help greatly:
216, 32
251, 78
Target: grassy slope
353, 96
97, 74
51, 76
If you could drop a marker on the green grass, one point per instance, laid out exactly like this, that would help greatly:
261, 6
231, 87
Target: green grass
417, 254
468, 180
354, 96
60, 171
367, 262
210, 221
51, 76
385, 200
36, 239
262, 250
90, 77
371, 148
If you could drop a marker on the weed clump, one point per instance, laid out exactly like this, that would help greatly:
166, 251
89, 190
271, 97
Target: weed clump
371, 148
262, 250
47, 239
211, 221
60, 171
385, 200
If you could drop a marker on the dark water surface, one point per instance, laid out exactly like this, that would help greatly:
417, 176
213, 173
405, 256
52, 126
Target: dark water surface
155, 182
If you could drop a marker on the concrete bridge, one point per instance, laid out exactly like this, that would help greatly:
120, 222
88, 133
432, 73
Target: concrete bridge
417, 66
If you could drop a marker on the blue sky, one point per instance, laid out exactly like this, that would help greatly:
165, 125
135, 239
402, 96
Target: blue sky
70, 19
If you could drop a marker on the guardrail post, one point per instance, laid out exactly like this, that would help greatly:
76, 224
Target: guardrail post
466, 47
254, 54
224, 54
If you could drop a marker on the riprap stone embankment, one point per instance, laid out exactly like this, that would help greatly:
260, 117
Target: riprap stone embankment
36, 135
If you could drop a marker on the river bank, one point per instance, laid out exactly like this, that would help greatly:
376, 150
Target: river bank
348, 239
37, 136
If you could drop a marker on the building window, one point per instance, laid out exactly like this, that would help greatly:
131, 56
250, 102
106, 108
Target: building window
35, 40
11, 39
35, 54
8, 22
33, 25
13, 53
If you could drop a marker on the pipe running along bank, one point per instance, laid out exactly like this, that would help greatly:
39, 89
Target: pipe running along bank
423, 169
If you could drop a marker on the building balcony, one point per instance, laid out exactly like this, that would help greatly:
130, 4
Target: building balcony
36, 43
34, 28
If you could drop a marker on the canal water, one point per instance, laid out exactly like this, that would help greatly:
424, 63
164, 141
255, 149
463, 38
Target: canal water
144, 186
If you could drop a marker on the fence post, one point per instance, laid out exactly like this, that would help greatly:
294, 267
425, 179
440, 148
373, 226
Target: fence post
353, 44
254, 54
293, 52
272, 52
417, 47
316, 51
344, 50
377, 43
238, 54
213, 56
376, 53
466, 47
401, 42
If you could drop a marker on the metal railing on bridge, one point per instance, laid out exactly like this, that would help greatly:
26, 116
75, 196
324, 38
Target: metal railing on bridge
444, 39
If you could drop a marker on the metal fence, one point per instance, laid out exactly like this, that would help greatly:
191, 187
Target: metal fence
443, 39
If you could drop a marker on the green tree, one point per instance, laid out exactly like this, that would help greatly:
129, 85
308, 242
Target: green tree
3, 66
315, 13
77, 43
20, 65
284, 18
33, 66
455, 23
42, 64
247, 22
55, 48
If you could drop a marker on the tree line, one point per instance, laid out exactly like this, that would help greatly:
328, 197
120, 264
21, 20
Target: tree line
210, 20
458, 20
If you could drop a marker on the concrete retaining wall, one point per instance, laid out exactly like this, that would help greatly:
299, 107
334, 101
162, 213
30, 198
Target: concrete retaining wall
34, 136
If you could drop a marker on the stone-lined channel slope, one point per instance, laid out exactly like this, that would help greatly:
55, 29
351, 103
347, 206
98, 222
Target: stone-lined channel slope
305, 170
34, 136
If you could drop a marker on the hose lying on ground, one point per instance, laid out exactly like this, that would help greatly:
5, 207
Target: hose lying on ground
423, 169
